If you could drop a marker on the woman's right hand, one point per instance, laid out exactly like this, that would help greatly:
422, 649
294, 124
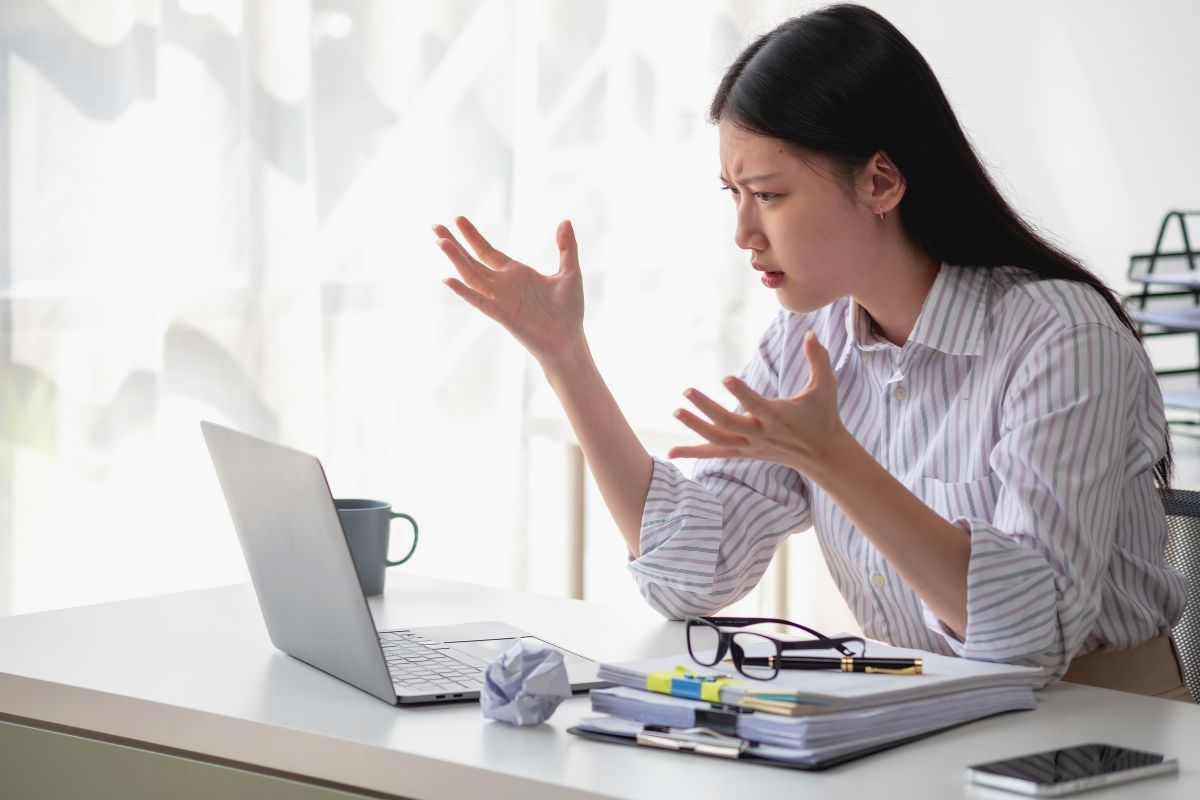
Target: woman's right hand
544, 312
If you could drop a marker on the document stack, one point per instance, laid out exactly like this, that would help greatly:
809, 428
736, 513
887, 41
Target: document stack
808, 719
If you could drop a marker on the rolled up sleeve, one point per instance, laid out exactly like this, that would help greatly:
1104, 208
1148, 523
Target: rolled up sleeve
707, 540
1034, 580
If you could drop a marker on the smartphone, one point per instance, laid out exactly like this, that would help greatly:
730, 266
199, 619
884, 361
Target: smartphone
1054, 773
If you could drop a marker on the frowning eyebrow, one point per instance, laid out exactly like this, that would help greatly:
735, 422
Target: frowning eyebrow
752, 178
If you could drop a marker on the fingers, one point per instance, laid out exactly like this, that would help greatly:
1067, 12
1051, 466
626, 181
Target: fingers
473, 273
703, 451
751, 400
568, 248
482, 247
473, 297
709, 431
820, 368
719, 414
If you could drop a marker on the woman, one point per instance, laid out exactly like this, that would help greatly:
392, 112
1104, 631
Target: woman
962, 412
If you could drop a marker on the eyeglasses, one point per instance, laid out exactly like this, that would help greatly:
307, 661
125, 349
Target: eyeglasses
708, 643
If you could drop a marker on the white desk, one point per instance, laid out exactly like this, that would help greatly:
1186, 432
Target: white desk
195, 672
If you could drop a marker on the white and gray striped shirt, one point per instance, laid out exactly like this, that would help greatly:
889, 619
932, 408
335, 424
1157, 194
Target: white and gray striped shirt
1021, 410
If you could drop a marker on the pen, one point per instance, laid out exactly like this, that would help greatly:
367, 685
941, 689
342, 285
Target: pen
881, 666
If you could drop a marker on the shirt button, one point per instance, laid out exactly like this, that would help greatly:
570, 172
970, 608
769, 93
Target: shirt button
866, 356
899, 393
878, 580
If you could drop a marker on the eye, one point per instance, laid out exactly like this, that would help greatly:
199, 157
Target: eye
766, 197
730, 189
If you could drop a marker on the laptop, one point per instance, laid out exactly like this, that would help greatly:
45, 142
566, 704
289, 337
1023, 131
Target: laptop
311, 598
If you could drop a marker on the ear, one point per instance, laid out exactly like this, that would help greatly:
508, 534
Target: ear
880, 184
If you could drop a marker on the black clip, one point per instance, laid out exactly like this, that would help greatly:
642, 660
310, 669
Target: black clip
720, 718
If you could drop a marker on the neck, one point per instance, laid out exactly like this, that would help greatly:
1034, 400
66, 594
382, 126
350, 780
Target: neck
897, 292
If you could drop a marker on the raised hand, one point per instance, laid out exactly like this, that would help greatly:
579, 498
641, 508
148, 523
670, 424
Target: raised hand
797, 431
544, 312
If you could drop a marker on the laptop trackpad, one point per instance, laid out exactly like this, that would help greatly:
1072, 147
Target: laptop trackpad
483, 652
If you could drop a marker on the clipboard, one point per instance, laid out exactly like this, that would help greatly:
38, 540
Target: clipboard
721, 744
746, 751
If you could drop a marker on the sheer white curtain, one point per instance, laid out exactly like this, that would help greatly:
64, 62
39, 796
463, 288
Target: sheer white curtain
216, 209
160, 266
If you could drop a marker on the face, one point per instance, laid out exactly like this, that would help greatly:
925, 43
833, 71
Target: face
812, 241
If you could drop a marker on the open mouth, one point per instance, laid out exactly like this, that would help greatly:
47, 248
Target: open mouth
772, 280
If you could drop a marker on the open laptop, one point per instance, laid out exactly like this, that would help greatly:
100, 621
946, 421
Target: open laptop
310, 595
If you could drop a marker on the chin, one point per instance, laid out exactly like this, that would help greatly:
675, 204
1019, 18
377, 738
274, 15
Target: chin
801, 305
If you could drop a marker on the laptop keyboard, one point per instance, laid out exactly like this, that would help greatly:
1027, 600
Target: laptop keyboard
417, 664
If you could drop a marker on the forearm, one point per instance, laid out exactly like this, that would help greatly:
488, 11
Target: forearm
930, 553
618, 461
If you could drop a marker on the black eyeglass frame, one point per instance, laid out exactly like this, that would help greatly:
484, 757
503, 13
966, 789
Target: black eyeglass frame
726, 643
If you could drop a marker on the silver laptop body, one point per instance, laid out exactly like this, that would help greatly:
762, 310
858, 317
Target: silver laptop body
310, 595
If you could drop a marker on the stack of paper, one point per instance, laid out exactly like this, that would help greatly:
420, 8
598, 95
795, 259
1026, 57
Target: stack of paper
816, 691
810, 718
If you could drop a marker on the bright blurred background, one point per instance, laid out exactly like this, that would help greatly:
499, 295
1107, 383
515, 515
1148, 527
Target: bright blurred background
217, 209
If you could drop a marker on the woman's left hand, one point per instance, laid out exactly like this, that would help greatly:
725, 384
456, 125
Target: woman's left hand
797, 431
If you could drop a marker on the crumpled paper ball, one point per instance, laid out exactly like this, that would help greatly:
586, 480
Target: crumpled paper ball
524, 685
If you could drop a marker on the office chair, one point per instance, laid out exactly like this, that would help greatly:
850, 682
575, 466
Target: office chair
1183, 553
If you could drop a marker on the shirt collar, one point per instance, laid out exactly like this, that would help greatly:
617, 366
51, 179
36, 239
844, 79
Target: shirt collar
951, 318
859, 333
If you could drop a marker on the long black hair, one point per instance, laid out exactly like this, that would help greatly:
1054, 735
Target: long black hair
844, 83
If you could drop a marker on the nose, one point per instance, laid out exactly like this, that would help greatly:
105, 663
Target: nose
748, 234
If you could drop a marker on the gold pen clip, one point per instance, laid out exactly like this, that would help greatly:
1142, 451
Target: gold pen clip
914, 670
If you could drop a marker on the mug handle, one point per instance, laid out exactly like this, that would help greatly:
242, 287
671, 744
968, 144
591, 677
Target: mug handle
412, 549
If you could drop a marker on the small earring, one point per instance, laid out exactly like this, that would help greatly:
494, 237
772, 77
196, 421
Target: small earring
880, 213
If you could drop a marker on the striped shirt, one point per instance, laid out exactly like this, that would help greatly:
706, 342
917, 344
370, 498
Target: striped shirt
1021, 410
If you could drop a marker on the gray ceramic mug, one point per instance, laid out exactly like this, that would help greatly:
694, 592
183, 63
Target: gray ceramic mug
367, 524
